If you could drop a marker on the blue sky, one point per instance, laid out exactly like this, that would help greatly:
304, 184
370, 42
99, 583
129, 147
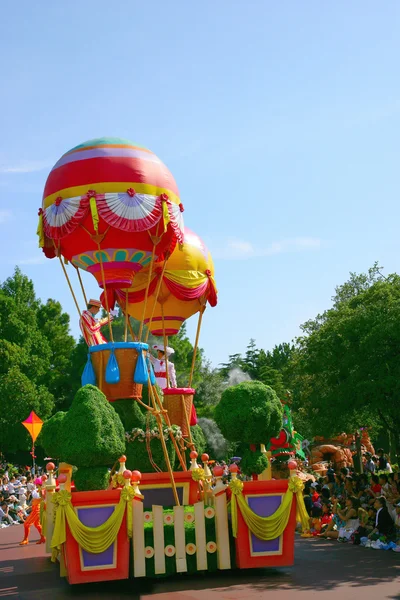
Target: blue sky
279, 121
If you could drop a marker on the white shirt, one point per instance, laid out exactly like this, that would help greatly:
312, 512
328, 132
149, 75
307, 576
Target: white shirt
376, 519
159, 367
10, 488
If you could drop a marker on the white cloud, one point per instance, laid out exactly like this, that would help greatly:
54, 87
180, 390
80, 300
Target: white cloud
29, 166
241, 246
242, 249
5, 215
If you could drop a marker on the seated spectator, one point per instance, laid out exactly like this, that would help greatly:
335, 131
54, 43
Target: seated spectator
397, 520
367, 523
384, 483
316, 509
384, 524
338, 488
5, 516
375, 489
362, 490
381, 459
327, 516
307, 500
332, 529
350, 516
369, 464
349, 487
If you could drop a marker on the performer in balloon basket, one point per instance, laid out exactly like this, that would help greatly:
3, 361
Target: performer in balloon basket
160, 365
91, 327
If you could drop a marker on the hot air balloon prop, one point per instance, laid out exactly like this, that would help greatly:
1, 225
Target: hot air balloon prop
34, 425
111, 208
180, 287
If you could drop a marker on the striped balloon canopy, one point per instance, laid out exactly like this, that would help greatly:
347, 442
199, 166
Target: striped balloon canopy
178, 289
108, 206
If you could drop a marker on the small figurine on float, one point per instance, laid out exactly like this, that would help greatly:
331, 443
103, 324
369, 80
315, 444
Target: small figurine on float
33, 519
90, 327
160, 366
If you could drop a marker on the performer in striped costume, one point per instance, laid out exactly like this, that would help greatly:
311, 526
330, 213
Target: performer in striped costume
90, 327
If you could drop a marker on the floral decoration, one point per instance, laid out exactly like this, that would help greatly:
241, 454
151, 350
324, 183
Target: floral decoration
169, 550
142, 435
209, 512
211, 547
190, 549
168, 519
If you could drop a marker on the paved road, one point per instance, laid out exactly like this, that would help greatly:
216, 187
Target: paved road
323, 570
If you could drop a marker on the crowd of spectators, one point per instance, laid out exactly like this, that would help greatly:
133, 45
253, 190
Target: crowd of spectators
362, 509
17, 488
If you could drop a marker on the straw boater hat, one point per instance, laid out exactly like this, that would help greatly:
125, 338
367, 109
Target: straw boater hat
161, 347
94, 303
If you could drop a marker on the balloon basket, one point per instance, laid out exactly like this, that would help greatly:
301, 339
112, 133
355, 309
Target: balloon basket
175, 399
126, 357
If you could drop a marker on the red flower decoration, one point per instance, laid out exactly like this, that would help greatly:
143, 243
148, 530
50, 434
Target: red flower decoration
131, 192
164, 197
181, 207
58, 201
91, 194
208, 273
40, 211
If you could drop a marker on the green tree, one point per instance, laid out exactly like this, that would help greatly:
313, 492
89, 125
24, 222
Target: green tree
209, 390
60, 377
19, 396
349, 359
235, 361
35, 356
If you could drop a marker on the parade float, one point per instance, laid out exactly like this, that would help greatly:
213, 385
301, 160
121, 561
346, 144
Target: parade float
112, 209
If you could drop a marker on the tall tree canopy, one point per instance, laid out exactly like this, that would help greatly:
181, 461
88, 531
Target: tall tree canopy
349, 359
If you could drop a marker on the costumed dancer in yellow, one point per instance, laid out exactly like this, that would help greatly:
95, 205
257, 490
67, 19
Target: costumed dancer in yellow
90, 327
33, 519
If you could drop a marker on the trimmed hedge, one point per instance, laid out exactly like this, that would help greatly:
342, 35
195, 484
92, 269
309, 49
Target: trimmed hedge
90, 436
249, 412
51, 435
91, 478
93, 433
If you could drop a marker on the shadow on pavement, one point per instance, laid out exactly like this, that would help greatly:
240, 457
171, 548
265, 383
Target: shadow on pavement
320, 566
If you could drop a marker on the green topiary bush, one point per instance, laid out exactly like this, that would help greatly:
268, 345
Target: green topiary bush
130, 413
249, 413
91, 478
253, 462
90, 436
199, 440
93, 432
51, 435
